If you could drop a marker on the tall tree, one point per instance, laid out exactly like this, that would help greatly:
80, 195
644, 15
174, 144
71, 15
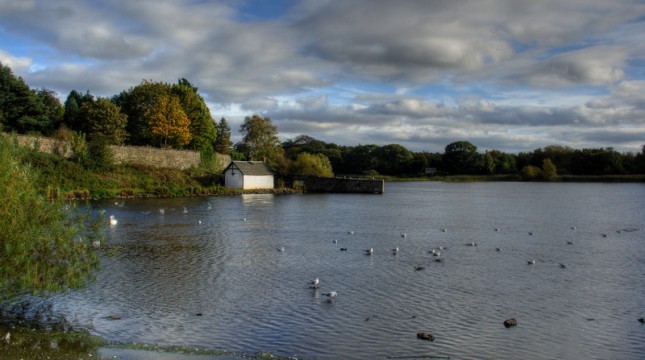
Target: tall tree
261, 139
169, 125
24, 110
202, 126
72, 117
461, 157
105, 121
139, 104
223, 143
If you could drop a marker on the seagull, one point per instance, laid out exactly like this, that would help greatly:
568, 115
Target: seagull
569, 242
498, 249
395, 250
418, 268
343, 249
369, 251
185, 210
472, 243
162, 211
573, 228
404, 235
335, 241
113, 220
120, 204
210, 207
530, 232
531, 262
433, 251
604, 235
331, 295
563, 266
496, 229
438, 253
281, 249
350, 233
314, 283
444, 230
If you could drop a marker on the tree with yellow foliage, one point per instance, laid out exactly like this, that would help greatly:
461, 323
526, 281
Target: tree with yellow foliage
169, 125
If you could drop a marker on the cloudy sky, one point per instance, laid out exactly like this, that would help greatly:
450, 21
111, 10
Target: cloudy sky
510, 75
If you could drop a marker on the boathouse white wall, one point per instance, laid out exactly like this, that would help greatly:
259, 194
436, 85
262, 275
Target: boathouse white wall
248, 175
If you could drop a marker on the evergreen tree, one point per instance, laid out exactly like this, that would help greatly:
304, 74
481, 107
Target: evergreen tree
223, 143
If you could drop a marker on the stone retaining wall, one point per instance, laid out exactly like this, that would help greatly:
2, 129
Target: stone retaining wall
344, 185
136, 155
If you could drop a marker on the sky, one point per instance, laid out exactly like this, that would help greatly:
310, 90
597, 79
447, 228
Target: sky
508, 75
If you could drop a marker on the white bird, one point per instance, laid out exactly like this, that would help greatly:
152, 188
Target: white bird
531, 262
120, 204
185, 210
331, 295
395, 250
433, 251
113, 220
438, 253
369, 251
404, 235
162, 211
573, 228
210, 207
281, 249
314, 283
335, 241
496, 229
444, 230
350, 232
6, 338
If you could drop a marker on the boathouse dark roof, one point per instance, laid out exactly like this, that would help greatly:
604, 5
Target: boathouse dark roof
253, 168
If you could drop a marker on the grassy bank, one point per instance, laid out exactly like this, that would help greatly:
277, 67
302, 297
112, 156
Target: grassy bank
61, 177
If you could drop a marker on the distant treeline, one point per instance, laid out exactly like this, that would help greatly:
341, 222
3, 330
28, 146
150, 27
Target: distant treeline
462, 158
176, 116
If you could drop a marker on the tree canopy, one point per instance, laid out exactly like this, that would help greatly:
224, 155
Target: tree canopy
261, 139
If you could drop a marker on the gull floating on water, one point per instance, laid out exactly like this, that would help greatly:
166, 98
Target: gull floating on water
281, 249
343, 249
331, 295
185, 210
113, 220
404, 235
569, 242
162, 211
314, 283
531, 262
444, 230
209, 206
350, 232
369, 251
563, 266
395, 250
498, 249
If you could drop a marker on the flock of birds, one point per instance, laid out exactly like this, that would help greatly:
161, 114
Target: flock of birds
436, 253
331, 295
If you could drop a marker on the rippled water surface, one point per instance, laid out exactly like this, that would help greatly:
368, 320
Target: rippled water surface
208, 272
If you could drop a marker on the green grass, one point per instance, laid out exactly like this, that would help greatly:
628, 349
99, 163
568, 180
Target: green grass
60, 177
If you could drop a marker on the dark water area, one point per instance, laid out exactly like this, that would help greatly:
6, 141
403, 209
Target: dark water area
232, 273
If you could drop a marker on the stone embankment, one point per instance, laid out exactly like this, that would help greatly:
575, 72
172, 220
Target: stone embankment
135, 155
343, 185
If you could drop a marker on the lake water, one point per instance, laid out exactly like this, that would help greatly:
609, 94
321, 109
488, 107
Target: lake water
212, 275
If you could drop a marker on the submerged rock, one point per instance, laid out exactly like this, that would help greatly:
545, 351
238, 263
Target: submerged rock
425, 336
510, 322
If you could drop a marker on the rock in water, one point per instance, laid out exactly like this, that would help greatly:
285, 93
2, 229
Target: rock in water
425, 336
510, 322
